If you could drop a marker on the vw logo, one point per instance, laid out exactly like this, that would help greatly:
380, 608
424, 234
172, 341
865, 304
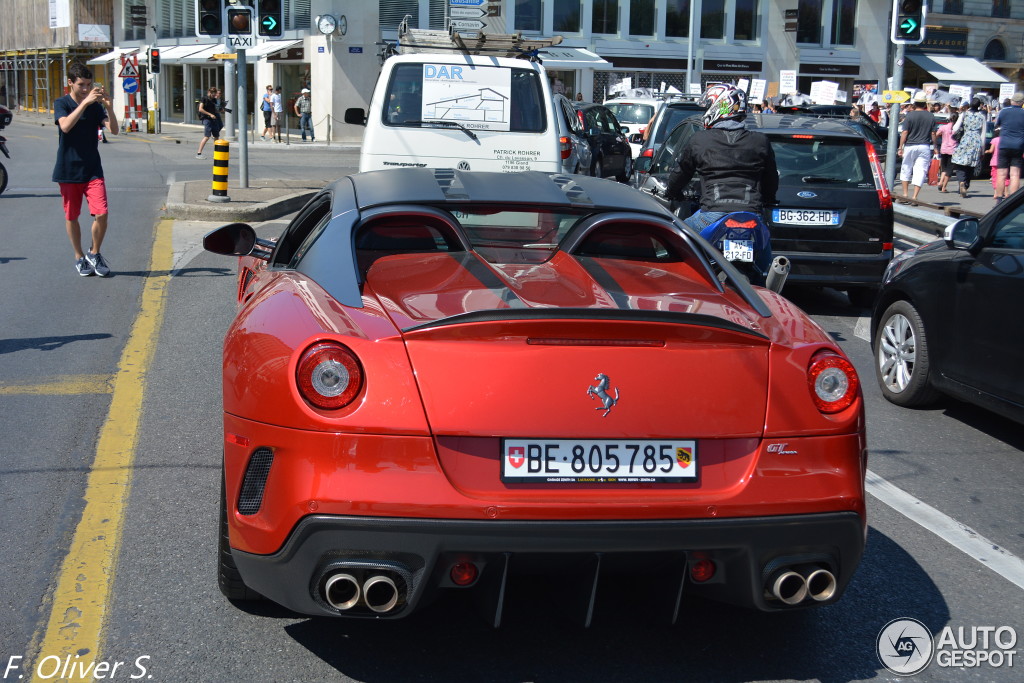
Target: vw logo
806, 195
463, 165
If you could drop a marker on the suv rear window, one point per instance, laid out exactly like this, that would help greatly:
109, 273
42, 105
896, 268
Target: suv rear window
672, 117
632, 113
811, 160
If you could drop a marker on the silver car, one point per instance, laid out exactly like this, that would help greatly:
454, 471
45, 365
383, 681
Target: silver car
576, 154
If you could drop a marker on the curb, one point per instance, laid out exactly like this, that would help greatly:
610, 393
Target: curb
247, 212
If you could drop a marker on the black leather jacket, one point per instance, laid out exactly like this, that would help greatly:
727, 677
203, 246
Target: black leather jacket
736, 167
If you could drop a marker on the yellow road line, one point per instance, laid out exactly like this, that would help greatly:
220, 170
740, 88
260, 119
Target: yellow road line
80, 601
65, 385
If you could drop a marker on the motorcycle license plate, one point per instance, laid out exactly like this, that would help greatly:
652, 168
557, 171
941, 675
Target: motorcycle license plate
738, 250
805, 216
598, 461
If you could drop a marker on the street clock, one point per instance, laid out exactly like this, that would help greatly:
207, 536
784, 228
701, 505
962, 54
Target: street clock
326, 24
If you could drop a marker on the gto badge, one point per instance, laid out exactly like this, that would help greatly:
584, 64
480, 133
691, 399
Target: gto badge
806, 195
601, 393
781, 449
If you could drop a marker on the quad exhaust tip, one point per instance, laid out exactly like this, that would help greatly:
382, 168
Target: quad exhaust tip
821, 585
794, 585
341, 591
789, 588
380, 593
344, 590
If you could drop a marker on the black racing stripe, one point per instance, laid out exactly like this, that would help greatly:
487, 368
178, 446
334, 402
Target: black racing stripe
604, 278
490, 280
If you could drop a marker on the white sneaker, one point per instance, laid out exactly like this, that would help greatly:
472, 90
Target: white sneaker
99, 265
83, 267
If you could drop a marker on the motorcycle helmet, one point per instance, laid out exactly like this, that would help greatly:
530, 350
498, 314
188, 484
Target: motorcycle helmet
721, 102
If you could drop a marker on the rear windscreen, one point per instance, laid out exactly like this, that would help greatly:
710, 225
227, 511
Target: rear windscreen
471, 96
672, 117
632, 113
821, 161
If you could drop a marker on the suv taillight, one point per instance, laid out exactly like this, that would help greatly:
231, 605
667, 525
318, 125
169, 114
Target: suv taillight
649, 152
566, 144
884, 198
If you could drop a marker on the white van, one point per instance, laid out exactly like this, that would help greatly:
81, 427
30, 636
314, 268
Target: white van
461, 111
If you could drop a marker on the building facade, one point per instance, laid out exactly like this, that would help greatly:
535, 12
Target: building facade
606, 44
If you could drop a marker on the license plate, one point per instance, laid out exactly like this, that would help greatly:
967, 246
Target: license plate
805, 216
598, 461
738, 250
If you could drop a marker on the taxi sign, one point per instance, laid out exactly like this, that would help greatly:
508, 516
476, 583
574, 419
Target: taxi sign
895, 96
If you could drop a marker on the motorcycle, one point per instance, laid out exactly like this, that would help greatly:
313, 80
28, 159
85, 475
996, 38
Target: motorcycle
744, 240
5, 120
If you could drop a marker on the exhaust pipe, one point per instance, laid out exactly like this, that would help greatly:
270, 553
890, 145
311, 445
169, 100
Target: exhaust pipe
341, 591
789, 587
821, 585
777, 274
380, 593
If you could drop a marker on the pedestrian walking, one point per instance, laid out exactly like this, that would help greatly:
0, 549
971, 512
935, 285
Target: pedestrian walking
916, 145
209, 114
278, 114
967, 154
267, 107
993, 151
78, 170
945, 145
304, 110
1010, 123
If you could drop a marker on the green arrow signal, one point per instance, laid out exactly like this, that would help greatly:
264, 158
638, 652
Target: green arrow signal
270, 23
909, 26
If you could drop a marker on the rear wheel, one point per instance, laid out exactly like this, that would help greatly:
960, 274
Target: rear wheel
902, 364
597, 169
228, 578
627, 169
3, 178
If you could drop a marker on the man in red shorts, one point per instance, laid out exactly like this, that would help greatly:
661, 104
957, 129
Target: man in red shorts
79, 114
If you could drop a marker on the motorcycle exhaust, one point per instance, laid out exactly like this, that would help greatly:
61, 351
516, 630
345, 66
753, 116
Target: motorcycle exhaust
380, 593
777, 274
341, 591
789, 587
821, 585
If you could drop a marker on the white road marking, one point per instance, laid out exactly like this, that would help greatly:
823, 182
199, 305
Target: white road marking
862, 328
961, 537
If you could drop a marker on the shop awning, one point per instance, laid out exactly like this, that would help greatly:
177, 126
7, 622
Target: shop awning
175, 53
270, 47
949, 69
572, 58
112, 55
204, 55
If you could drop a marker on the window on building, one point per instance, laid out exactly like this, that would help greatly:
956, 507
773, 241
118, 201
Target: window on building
953, 7
393, 11
436, 14
677, 19
134, 32
176, 19
1000, 8
808, 27
712, 19
529, 15
605, 17
641, 17
567, 16
844, 21
995, 51
297, 15
745, 27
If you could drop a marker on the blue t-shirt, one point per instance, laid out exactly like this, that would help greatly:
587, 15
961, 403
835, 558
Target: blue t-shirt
1011, 128
78, 154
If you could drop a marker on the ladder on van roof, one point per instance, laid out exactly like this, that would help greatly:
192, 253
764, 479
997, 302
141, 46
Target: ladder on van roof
418, 41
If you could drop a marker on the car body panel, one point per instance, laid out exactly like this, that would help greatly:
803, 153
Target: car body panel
569, 126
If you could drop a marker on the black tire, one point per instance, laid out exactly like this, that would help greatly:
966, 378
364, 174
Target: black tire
862, 297
597, 168
228, 578
627, 169
902, 363
3, 178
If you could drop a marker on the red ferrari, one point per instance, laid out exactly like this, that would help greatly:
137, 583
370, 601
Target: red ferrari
437, 379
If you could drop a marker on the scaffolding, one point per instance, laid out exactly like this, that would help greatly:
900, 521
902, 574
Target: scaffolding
30, 80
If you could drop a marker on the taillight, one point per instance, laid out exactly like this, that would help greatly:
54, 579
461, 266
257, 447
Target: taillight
649, 152
884, 198
329, 375
833, 382
733, 223
566, 143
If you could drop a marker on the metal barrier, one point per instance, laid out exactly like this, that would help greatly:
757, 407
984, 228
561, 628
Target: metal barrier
221, 155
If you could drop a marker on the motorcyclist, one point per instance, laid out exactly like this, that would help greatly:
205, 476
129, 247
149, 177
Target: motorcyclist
736, 166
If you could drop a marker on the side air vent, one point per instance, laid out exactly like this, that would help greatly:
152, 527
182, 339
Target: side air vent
255, 481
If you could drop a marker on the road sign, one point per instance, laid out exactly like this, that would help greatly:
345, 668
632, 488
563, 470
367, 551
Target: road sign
130, 85
241, 41
466, 24
129, 68
895, 96
465, 3
225, 55
467, 12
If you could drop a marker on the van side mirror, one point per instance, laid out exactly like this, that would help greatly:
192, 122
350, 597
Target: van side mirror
355, 116
964, 234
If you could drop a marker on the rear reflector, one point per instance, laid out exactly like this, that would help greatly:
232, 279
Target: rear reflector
702, 570
594, 342
463, 573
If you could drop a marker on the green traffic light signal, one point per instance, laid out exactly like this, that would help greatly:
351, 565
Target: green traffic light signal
271, 18
908, 21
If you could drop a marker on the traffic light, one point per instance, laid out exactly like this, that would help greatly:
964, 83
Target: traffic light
271, 17
209, 17
908, 21
239, 20
154, 60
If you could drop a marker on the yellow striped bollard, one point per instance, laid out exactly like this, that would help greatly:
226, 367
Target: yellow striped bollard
220, 172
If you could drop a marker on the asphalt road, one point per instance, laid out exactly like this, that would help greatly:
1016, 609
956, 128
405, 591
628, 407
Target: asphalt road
957, 461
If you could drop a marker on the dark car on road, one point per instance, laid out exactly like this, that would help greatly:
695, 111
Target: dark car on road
947, 319
833, 218
671, 114
611, 155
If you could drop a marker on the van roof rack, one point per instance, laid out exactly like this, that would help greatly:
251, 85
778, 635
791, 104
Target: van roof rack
416, 41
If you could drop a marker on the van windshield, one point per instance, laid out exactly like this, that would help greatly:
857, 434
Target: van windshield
475, 97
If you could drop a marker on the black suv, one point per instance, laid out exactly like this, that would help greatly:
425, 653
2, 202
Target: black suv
833, 218
611, 154
669, 115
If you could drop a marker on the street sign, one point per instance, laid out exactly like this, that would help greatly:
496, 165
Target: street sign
129, 68
466, 12
225, 55
895, 96
130, 85
466, 24
241, 41
465, 3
